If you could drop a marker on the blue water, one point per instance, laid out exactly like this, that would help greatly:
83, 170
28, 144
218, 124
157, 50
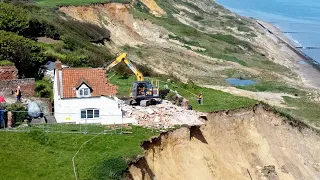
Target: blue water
300, 16
240, 82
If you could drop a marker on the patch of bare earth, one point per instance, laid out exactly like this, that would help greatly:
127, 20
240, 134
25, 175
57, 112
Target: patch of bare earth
241, 144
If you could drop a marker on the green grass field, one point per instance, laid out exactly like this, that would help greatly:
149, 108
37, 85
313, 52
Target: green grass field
36, 155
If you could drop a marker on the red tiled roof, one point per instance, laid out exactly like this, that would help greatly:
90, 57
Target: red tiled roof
94, 77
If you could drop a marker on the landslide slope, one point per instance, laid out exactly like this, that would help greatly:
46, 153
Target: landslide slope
200, 41
233, 145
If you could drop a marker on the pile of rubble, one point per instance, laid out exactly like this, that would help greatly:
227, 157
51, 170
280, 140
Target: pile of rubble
164, 115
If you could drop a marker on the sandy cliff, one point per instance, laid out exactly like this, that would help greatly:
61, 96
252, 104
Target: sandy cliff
233, 145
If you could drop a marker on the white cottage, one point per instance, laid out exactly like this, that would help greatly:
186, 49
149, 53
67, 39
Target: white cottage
83, 95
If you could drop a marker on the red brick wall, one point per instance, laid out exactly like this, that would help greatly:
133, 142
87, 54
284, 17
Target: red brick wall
8, 72
26, 86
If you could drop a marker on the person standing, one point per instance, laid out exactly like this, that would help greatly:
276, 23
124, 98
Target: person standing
18, 94
200, 98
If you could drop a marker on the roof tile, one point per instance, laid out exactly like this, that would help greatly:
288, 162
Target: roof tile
95, 77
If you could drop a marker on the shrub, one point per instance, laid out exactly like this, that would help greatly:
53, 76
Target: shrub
17, 116
40, 87
113, 168
27, 55
38, 28
45, 93
13, 18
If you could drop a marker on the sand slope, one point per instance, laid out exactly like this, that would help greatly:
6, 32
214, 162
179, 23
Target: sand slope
232, 145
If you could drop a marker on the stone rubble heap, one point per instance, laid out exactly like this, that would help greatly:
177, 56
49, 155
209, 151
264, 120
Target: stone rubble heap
164, 115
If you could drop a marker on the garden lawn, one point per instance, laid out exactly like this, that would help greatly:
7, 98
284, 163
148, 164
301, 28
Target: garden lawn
38, 155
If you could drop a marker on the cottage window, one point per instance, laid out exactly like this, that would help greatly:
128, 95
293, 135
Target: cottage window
90, 113
84, 92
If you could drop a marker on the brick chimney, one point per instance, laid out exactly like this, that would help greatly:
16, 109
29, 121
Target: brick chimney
58, 65
57, 74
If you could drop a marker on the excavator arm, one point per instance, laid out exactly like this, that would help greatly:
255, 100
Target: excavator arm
123, 58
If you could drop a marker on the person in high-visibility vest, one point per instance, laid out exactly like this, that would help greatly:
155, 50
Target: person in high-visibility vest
200, 98
18, 94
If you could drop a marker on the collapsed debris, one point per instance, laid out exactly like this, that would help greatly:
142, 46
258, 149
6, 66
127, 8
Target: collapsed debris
164, 115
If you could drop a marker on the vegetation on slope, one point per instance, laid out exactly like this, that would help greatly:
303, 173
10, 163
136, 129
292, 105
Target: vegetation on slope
22, 24
226, 46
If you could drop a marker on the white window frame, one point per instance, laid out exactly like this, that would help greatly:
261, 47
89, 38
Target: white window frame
84, 92
94, 115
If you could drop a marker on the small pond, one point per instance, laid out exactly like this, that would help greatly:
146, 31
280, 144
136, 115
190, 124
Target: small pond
240, 82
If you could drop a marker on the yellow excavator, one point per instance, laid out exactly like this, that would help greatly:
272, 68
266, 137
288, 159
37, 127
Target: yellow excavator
142, 92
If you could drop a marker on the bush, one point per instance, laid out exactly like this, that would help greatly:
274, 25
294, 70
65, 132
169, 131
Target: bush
27, 55
45, 93
17, 116
39, 28
13, 18
40, 87
113, 168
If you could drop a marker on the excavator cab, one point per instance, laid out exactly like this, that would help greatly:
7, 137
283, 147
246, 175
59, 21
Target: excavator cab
144, 90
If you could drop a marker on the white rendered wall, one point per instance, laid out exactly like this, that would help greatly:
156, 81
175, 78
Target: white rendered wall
69, 110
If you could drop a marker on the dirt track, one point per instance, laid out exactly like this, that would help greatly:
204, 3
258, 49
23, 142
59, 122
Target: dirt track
231, 145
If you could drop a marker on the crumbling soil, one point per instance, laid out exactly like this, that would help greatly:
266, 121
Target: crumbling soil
164, 115
241, 144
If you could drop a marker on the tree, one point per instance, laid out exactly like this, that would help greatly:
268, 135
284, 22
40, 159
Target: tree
13, 18
26, 54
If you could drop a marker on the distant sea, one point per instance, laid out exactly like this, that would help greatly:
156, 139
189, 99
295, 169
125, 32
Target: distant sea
300, 18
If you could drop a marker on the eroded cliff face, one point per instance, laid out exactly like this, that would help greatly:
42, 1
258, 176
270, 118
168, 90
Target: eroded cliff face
153, 7
184, 47
233, 145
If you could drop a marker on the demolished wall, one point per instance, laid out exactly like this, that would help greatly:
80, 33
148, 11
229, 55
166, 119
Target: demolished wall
237, 144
